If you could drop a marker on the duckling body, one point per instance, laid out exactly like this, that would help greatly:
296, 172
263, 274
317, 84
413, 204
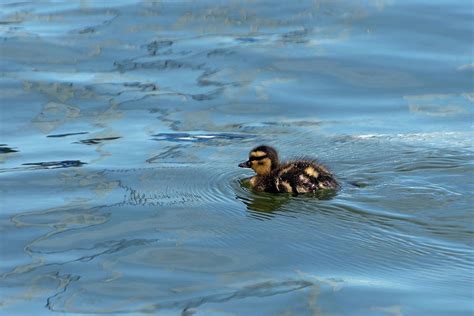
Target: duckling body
297, 176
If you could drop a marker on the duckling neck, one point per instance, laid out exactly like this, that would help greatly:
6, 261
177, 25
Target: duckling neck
253, 181
263, 182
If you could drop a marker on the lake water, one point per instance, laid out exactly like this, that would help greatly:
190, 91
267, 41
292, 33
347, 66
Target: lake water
122, 124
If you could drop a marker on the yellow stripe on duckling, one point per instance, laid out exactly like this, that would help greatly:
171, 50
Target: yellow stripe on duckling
258, 153
311, 172
287, 186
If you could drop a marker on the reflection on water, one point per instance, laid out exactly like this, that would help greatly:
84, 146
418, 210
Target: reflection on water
268, 203
122, 124
265, 202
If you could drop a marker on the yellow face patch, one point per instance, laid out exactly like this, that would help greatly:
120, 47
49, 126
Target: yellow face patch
258, 153
311, 172
262, 167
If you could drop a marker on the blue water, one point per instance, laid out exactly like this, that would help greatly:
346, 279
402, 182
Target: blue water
122, 124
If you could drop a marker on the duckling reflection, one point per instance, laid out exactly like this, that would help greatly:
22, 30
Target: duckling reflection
267, 204
262, 202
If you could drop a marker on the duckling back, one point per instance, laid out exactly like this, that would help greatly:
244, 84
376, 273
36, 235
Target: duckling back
303, 176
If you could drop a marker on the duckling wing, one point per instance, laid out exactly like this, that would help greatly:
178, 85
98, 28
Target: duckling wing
303, 177
284, 182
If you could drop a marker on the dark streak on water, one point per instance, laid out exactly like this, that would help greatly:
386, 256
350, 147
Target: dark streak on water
67, 134
56, 164
154, 217
95, 141
6, 150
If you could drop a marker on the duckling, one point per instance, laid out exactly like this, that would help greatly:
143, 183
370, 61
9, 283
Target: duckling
296, 176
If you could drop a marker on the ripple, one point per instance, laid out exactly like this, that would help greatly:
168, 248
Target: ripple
178, 185
65, 301
204, 260
434, 162
223, 186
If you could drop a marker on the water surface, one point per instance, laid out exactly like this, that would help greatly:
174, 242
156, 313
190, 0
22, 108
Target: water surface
122, 124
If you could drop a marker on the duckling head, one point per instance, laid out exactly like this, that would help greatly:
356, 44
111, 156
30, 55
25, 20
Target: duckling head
262, 159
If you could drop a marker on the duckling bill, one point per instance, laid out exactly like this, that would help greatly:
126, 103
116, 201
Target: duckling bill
297, 176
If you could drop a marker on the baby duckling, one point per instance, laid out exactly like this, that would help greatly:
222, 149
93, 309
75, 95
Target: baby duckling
297, 176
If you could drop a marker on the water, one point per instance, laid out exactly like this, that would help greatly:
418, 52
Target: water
122, 124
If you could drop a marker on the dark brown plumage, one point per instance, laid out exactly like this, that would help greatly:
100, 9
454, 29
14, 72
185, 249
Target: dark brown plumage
297, 176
